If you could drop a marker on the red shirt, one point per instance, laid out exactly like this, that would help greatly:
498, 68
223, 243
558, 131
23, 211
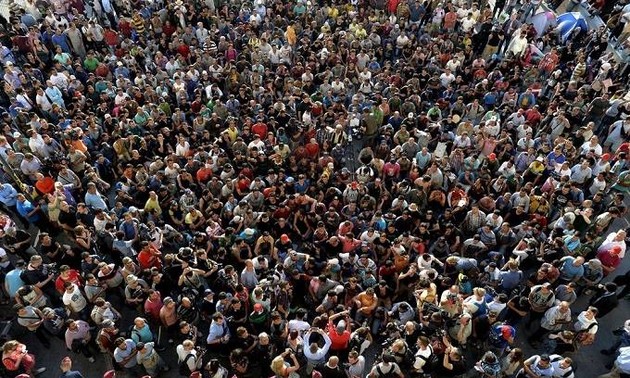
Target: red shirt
73, 276
204, 174
153, 307
147, 258
259, 128
338, 342
609, 260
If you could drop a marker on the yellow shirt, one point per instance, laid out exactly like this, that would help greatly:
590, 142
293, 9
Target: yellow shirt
153, 204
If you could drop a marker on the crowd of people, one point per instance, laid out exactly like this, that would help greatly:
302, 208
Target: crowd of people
380, 188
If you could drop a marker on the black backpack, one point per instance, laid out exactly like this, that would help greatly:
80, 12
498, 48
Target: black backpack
430, 363
389, 374
184, 370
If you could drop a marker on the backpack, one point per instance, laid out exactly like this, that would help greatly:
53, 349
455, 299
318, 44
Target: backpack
184, 370
495, 336
430, 363
389, 374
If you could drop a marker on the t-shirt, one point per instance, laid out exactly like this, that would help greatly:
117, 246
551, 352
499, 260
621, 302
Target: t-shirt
120, 354
74, 299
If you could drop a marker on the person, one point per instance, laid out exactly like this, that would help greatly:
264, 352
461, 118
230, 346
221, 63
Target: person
425, 358
16, 359
312, 351
356, 365
623, 339
331, 368
188, 358
32, 319
149, 358
562, 366
489, 365
620, 366
536, 365
78, 338
281, 368
388, 367
125, 355
66, 369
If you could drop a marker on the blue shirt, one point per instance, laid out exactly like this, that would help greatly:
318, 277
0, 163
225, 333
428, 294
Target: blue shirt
71, 374
143, 334
13, 281
7, 195
95, 201
26, 207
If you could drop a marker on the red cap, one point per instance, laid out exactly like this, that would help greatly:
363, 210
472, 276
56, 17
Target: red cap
110, 374
284, 238
492, 156
354, 184
258, 307
606, 157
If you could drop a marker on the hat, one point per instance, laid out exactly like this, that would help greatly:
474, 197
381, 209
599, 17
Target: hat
410, 115
237, 219
17, 134
626, 325
492, 156
208, 292
108, 323
284, 238
258, 307
131, 278
354, 184
364, 244
168, 300
249, 232
606, 157
540, 159
119, 64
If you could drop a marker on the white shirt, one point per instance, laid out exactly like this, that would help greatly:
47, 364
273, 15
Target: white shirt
75, 300
298, 325
623, 360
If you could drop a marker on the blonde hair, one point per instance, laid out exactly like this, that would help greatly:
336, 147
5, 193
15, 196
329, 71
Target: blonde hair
10, 346
277, 365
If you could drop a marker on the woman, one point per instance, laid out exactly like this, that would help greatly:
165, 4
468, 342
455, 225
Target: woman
16, 359
282, 369
83, 238
512, 363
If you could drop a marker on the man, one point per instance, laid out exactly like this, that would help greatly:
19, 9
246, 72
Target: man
605, 298
29, 212
623, 341
562, 366
331, 368
313, 353
219, 333
339, 334
125, 356
554, 319
66, 369
387, 368
74, 300
537, 366
32, 319
621, 365
78, 337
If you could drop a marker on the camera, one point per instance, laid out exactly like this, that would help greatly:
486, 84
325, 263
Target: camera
50, 268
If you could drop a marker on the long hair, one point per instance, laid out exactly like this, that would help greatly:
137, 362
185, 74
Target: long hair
277, 365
